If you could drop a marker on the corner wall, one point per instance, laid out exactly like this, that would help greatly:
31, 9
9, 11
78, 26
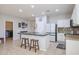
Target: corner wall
15, 21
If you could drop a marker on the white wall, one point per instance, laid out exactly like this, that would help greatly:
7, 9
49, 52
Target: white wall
15, 20
16, 29
31, 25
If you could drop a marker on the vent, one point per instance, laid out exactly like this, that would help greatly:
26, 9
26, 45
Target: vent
71, 24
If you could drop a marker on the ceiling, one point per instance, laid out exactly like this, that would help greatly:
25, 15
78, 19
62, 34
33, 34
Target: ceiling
26, 10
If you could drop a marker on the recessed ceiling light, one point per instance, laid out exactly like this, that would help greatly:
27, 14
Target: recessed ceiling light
32, 6
57, 10
20, 10
33, 15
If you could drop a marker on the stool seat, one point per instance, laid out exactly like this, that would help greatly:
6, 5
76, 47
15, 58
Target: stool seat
34, 44
25, 42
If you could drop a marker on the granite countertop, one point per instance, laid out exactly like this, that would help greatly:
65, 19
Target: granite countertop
37, 34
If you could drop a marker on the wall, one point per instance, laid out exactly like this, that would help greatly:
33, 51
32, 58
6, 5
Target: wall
31, 24
15, 20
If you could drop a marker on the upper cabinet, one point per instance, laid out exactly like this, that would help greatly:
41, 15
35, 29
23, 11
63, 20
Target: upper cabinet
75, 15
63, 23
41, 23
60, 23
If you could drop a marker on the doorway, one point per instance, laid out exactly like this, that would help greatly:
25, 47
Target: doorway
9, 31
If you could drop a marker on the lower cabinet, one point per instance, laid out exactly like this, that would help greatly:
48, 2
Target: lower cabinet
60, 37
52, 38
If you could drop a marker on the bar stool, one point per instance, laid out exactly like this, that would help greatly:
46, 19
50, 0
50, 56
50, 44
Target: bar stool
34, 44
2, 40
25, 42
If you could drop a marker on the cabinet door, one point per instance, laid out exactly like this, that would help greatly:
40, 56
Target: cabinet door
52, 38
64, 23
60, 37
48, 28
60, 23
52, 28
41, 23
67, 23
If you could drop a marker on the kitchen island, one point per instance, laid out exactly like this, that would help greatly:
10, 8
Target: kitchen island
44, 38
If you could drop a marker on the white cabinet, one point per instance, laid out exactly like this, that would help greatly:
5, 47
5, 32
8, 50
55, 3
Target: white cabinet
48, 28
60, 23
72, 47
51, 28
67, 23
63, 23
60, 37
52, 38
41, 23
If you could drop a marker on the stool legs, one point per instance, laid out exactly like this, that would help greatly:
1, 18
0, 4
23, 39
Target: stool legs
21, 42
31, 44
28, 42
24, 42
38, 45
34, 44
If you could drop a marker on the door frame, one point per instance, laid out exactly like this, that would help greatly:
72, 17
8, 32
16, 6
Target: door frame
5, 29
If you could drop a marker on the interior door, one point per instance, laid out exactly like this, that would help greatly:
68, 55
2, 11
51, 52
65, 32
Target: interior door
9, 30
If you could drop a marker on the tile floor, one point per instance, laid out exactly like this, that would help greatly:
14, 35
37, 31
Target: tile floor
13, 48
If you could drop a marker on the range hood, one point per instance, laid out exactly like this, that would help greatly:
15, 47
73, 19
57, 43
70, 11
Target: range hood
73, 25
